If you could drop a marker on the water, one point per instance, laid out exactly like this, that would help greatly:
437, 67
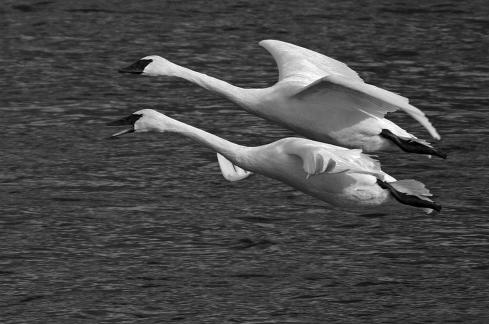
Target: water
145, 229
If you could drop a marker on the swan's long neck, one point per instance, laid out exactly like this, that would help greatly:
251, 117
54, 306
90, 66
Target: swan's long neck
241, 96
233, 152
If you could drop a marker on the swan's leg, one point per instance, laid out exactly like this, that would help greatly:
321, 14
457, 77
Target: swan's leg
412, 145
408, 199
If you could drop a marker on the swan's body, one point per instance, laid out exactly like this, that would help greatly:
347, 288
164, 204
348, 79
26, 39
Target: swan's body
336, 175
316, 96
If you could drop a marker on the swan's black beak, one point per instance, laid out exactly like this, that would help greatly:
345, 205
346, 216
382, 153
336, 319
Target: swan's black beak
129, 120
136, 68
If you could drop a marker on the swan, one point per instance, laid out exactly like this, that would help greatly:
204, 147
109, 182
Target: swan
317, 97
337, 175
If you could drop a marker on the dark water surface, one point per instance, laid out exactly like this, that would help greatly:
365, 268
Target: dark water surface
146, 230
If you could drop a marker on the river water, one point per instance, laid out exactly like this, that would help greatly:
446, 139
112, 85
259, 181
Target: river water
146, 230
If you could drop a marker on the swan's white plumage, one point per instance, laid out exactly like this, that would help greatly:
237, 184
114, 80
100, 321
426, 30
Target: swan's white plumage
230, 171
331, 78
336, 175
316, 96
319, 157
362, 98
301, 63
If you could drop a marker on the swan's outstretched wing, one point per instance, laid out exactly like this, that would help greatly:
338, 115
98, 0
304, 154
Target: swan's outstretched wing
230, 171
356, 97
295, 62
337, 86
320, 158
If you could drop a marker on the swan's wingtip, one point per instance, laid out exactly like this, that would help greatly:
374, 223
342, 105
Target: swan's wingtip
434, 133
431, 129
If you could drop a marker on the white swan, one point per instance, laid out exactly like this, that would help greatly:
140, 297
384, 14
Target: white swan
316, 96
336, 175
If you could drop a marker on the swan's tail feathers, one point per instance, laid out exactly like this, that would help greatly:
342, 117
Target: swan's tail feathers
412, 145
230, 171
411, 192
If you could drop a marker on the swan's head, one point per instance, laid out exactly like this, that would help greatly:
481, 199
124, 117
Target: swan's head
145, 120
149, 65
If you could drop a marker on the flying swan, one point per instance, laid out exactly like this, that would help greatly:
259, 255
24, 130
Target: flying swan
339, 176
317, 97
